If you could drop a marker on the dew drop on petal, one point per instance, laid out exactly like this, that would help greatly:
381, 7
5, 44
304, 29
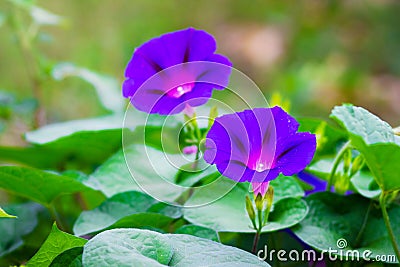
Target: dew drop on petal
179, 91
260, 167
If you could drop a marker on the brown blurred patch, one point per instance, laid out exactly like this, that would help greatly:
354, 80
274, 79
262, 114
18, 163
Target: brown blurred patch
261, 46
382, 96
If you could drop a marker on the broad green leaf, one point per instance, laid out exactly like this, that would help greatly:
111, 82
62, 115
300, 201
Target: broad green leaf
376, 140
333, 217
122, 247
107, 87
13, 231
129, 209
361, 123
322, 168
89, 142
113, 176
285, 187
69, 258
82, 150
383, 161
188, 177
38, 185
288, 209
364, 183
56, 243
53, 132
4, 214
199, 231
140, 168
193, 251
83, 142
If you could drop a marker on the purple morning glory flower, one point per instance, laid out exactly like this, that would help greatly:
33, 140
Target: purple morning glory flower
175, 70
257, 145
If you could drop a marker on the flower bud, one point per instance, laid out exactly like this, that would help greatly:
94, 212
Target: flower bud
342, 183
269, 199
347, 157
358, 163
250, 210
259, 202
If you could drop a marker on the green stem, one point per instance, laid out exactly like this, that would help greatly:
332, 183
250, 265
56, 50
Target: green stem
336, 163
382, 202
258, 231
255, 241
364, 224
260, 220
32, 65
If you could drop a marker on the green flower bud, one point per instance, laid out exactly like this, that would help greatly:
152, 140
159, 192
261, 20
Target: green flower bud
347, 157
259, 202
358, 163
342, 183
250, 211
269, 199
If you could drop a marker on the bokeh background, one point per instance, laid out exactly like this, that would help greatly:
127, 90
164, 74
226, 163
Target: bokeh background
315, 54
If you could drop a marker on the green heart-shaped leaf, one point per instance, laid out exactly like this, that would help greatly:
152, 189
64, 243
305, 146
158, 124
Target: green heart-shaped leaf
123, 247
56, 243
376, 140
38, 185
129, 209
228, 214
335, 217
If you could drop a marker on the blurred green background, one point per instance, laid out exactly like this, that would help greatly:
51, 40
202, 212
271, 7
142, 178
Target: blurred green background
316, 54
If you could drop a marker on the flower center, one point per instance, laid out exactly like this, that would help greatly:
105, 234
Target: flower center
259, 164
260, 167
180, 90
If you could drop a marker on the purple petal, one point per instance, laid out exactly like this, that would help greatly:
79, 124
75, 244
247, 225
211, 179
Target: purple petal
164, 56
285, 124
260, 188
295, 152
220, 73
200, 46
199, 95
256, 145
223, 143
238, 172
168, 50
229, 137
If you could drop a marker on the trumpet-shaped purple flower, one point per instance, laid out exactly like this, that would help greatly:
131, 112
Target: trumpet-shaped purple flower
257, 145
175, 70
